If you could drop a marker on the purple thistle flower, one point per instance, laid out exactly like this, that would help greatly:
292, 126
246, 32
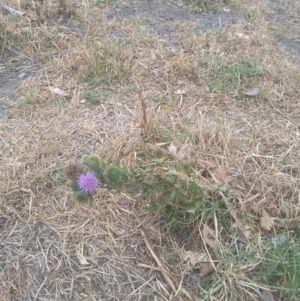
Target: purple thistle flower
88, 182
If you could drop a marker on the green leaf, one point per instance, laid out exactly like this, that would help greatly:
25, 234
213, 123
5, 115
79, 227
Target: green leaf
294, 282
81, 197
152, 207
74, 187
94, 164
116, 176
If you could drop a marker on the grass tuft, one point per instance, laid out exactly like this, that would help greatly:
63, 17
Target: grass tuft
108, 63
228, 77
208, 6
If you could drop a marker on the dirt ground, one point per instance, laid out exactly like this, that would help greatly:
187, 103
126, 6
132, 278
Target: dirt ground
52, 248
162, 18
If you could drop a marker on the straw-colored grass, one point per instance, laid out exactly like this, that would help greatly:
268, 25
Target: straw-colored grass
194, 98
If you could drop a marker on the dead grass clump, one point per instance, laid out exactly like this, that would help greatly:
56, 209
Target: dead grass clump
10, 37
4, 45
179, 65
206, 5
108, 63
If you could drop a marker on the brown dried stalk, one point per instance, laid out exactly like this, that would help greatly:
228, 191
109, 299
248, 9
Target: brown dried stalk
144, 109
167, 276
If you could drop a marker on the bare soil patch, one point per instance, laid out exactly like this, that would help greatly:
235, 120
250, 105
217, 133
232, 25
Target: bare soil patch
284, 22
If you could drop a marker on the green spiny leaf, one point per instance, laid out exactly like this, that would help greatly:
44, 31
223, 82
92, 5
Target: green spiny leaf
116, 176
74, 187
81, 197
94, 164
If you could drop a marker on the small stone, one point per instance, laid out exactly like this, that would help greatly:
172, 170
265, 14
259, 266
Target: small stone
21, 75
80, 289
34, 188
103, 247
2, 264
253, 92
180, 92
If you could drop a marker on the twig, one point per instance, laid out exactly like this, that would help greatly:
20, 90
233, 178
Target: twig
167, 276
12, 11
279, 112
144, 109
162, 269
205, 247
37, 293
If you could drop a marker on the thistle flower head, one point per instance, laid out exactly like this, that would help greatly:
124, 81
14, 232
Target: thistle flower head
88, 182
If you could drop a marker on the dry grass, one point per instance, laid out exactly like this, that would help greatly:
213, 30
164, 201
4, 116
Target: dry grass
54, 249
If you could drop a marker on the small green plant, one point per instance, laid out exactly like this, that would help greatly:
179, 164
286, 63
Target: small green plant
108, 63
116, 176
7, 40
93, 98
249, 16
94, 164
228, 77
159, 100
208, 6
207, 288
171, 188
2, 42
84, 180
112, 3
280, 268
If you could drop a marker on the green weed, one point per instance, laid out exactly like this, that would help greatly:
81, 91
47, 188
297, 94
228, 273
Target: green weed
159, 100
8, 40
281, 266
107, 64
60, 103
113, 3
170, 258
208, 6
249, 16
209, 286
228, 77
171, 188
104, 3
93, 98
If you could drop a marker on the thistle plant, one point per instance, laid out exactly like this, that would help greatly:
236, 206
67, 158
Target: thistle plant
84, 180
87, 183
172, 188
